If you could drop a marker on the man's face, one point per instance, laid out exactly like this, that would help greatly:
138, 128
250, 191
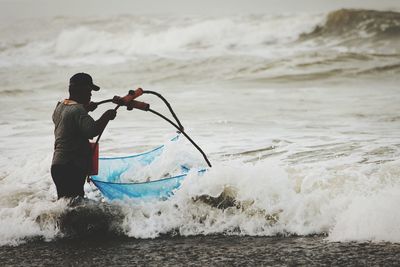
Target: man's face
87, 96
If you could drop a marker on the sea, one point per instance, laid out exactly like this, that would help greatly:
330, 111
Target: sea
298, 114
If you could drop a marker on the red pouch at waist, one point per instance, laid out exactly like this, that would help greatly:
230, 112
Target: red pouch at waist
94, 170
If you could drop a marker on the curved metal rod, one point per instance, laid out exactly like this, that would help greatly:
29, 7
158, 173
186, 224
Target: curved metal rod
104, 101
99, 136
180, 128
177, 127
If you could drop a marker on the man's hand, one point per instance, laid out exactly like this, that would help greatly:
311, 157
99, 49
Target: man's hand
104, 119
91, 106
110, 114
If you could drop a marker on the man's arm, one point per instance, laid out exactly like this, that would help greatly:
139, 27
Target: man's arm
101, 123
91, 128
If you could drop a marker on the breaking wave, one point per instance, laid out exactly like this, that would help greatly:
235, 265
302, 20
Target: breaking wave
251, 47
265, 198
358, 23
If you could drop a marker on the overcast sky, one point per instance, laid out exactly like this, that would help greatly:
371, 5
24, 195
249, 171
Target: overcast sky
36, 8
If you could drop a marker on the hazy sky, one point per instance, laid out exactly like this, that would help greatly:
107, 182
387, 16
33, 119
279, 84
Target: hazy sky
35, 8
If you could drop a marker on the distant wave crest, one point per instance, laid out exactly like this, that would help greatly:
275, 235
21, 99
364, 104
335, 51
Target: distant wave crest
360, 23
289, 47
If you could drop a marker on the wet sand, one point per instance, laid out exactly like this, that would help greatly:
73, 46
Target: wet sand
201, 251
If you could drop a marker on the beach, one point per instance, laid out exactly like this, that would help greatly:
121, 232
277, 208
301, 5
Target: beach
203, 251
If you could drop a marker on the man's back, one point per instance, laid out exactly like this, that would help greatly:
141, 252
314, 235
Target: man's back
73, 128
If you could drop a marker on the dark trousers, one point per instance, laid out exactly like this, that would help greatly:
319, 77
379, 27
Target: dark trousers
69, 180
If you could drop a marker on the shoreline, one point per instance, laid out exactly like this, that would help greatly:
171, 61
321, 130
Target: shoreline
202, 250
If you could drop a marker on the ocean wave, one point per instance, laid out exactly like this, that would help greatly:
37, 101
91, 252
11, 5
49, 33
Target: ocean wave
256, 199
196, 48
124, 39
358, 23
214, 36
392, 68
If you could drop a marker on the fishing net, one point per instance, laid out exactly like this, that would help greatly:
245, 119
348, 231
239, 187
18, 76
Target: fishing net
114, 172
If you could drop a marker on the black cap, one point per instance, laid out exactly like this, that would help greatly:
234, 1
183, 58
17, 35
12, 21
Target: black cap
80, 79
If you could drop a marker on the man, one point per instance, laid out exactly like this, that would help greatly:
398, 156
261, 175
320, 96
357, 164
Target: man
73, 129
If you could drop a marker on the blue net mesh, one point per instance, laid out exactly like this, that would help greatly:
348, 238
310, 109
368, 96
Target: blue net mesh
110, 179
160, 189
113, 169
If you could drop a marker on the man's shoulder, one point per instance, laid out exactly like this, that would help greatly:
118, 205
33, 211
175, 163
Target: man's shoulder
72, 106
66, 111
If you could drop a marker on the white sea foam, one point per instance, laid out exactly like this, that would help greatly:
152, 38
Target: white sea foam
191, 37
372, 214
267, 197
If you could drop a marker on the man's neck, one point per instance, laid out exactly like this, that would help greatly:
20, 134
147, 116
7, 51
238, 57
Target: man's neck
76, 99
